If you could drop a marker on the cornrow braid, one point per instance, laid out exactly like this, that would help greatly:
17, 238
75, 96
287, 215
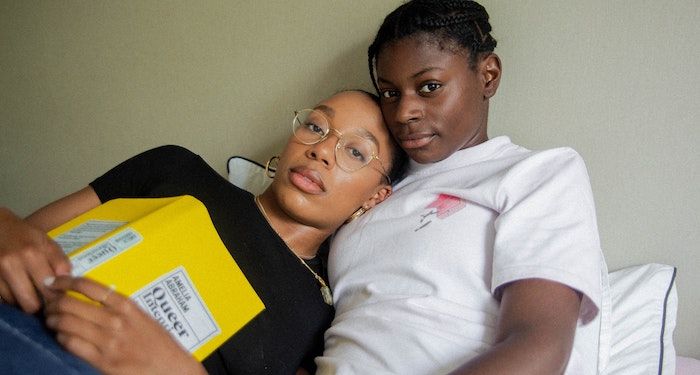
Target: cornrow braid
463, 22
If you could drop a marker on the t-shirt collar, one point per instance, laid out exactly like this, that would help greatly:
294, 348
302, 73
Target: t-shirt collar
463, 157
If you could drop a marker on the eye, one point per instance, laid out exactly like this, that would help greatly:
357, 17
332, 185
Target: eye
429, 87
356, 150
387, 94
357, 154
315, 123
312, 127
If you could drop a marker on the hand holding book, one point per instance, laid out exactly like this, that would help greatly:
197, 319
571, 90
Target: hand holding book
165, 254
27, 256
111, 332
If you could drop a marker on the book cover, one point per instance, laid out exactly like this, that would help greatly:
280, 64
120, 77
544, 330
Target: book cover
167, 256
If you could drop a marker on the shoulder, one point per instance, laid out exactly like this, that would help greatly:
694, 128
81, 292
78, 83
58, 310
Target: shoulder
168, 159
546, 165
561, 155
151, 170
169, 152
552, 156
549, 175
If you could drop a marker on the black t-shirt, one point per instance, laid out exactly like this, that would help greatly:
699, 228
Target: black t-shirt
289, 332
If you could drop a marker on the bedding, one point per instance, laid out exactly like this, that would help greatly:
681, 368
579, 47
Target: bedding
687, 366
638, 336
247, 174
642, 320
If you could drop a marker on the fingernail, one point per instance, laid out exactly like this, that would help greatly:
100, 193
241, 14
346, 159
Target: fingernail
49, 280
51, 321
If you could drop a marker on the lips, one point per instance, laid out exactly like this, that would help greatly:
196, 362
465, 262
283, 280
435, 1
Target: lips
416, 140
307, 180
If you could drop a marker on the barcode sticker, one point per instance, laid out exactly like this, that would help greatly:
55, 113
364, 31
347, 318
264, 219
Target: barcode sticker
104, 251
85, 233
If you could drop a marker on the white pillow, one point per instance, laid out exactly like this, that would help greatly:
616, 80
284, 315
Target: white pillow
643, 317
247, 174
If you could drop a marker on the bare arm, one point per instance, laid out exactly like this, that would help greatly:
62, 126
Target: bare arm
28, 255
536, 327
64, 209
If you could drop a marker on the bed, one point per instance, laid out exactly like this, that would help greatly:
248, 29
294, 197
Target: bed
637, 329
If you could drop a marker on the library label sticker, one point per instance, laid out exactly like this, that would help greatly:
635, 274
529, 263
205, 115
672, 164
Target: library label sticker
104, 251
85, 233
173, 301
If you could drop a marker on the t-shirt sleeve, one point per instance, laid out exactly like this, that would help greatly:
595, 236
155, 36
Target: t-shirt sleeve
547, 227
137, 176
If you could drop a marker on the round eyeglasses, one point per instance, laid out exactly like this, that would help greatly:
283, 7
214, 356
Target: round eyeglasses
355, 148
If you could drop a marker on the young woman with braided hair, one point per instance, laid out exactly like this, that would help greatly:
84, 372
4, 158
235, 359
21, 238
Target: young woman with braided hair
486, 259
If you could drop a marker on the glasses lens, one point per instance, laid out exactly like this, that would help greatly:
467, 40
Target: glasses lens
309, 126
354, 152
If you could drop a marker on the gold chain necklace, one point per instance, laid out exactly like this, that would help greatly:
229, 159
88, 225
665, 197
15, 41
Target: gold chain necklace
325, 290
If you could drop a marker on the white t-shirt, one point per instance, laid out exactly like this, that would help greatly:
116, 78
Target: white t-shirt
415, 280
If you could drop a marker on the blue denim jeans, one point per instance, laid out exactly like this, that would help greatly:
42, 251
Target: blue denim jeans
28, 347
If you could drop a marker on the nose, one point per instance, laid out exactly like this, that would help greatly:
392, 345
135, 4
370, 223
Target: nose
409, 109
324, 151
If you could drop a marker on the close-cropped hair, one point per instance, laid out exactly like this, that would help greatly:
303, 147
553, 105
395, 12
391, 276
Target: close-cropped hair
463, 23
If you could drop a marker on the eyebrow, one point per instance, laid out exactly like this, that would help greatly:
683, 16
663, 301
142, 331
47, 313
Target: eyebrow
417, 74
330, 112
370, 136
365, 133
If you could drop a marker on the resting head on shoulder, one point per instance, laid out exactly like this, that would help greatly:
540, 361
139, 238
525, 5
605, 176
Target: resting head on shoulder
339, 161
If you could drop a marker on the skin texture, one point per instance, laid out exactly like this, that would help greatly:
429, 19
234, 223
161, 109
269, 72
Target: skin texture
28, 255
109, 330
536, 326
297, 213
435, 103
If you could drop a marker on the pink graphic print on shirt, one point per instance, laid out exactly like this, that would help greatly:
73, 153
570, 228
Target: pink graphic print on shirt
443, 206
446, 205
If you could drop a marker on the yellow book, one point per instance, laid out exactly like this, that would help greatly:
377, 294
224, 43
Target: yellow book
166, 255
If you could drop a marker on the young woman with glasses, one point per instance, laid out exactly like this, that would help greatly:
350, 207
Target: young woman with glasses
339, 163
486, 259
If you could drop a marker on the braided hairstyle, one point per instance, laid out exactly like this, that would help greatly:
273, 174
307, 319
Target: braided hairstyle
463, 22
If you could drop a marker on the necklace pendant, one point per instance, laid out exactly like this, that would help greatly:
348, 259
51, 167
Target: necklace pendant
327, 296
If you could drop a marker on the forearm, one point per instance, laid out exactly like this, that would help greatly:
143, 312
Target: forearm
64, 209
535, 330
522, 353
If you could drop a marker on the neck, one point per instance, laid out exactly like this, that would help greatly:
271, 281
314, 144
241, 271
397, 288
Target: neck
301, 239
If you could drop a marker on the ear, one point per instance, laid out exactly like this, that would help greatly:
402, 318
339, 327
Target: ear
383, 193
490, 71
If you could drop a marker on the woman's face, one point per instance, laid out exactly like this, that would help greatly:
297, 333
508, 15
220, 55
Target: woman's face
311, 188
433, 101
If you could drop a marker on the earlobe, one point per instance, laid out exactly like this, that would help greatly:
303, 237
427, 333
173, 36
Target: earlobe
378, 197
491, 73
383, 193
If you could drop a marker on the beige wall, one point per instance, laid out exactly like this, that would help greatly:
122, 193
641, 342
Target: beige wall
619, 81
84, 85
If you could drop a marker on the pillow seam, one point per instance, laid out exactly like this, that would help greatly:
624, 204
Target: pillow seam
663, 321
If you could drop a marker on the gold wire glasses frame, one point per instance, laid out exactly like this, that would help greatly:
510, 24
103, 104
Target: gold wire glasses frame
354, 149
